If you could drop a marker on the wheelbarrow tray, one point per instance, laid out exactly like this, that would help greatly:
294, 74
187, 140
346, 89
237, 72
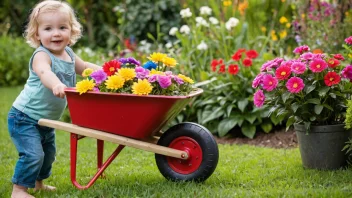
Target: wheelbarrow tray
128, 115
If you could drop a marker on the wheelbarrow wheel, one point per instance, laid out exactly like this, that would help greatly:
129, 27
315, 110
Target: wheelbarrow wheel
201, 147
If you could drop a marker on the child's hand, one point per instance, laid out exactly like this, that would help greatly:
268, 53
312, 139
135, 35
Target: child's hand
58, 90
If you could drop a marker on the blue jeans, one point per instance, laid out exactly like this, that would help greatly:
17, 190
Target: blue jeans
36, 148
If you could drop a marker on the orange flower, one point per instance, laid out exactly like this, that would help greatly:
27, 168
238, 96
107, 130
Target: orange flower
317, 51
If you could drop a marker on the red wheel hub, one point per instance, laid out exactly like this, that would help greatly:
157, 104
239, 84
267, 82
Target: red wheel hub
195, 155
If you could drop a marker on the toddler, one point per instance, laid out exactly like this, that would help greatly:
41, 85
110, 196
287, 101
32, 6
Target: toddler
52, 28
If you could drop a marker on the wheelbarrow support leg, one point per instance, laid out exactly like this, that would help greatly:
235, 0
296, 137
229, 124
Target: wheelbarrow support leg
100, 149
73, 152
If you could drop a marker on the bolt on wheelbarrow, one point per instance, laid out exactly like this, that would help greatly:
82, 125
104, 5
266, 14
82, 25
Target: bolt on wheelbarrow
185, 152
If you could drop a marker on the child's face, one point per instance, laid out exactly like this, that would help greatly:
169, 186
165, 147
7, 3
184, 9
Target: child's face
54, 31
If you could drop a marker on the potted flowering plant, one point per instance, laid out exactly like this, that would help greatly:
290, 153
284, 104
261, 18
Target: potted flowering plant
126, 75
311, 92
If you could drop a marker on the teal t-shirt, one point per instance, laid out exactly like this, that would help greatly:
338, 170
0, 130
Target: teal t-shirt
35, 99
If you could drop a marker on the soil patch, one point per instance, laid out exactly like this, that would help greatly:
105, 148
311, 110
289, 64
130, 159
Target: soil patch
276, 139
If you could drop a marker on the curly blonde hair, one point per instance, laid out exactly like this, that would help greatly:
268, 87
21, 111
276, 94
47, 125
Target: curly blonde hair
51, 6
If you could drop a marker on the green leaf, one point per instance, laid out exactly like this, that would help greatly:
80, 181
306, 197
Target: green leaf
229, 109
332, 95
318, 109
242, 104
213, 115
248, 130
290, 121
313, 101
226, 125
251, 117
323, 91
285, 96
328, 107
310, 88
267, 126
295, 106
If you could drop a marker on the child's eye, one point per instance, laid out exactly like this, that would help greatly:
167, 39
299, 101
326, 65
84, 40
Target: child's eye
63, 27
48, 28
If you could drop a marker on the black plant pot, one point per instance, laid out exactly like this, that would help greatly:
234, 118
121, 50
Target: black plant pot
321, 147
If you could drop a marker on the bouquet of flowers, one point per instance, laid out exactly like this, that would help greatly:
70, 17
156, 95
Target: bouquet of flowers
311, 89
126, 75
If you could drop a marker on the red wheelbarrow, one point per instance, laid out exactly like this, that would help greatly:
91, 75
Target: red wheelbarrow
185, 152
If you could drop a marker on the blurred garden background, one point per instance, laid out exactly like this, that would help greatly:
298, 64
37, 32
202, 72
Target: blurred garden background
221, 44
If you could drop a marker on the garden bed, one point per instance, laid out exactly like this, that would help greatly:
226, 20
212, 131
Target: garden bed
276, 139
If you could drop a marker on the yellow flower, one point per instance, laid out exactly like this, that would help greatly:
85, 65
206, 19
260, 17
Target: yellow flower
303, 16
272, 32
84, 86
185, 78
127, 73
227, 3
156, 72
263, 29
157, 57
87, 72
274, 37
283, 34
114, 82
170, 62
283, 20
288, 25
142, 87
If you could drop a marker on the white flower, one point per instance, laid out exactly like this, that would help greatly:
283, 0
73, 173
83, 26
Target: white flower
213, 20
202, 46
205, 10
168, 45
173, 31
185, 29
185, 13
232, 22
201, 21
118, 9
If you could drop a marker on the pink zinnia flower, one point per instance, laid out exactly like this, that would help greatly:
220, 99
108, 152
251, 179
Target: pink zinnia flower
349, 40
347, 72
295, 84
283, 72
317, 65
259, 98
269, 82
301, 49
307, 56
339, 57
257, 80
298, 68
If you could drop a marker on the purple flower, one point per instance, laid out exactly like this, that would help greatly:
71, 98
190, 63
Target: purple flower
257, 80
129, 60
153, 78
164, 81
96, 89
141, 72
178, 80
271, 64
98, 76
307, 56
347, 72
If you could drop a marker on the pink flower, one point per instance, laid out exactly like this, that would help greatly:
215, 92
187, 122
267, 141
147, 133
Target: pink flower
307, 56
269, 82
298, 68
347, 72
164, 81
339, 57
349, 40
257, 80
317, 65
295, 84
301, 49
283, 72
259, 98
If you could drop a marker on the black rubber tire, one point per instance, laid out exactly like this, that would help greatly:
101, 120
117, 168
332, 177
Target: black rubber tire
207, 143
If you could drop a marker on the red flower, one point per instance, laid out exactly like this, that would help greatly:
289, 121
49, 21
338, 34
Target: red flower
222, 68
247, 62
111, 67
237, 56
283, 72
332, 78
332, 63
339, 57
215, 63
241, 50
252, 54
233, 69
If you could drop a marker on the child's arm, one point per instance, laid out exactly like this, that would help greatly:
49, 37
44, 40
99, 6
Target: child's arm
42, 67
82, 65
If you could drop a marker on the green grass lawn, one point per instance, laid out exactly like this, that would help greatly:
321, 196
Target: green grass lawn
243, 171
